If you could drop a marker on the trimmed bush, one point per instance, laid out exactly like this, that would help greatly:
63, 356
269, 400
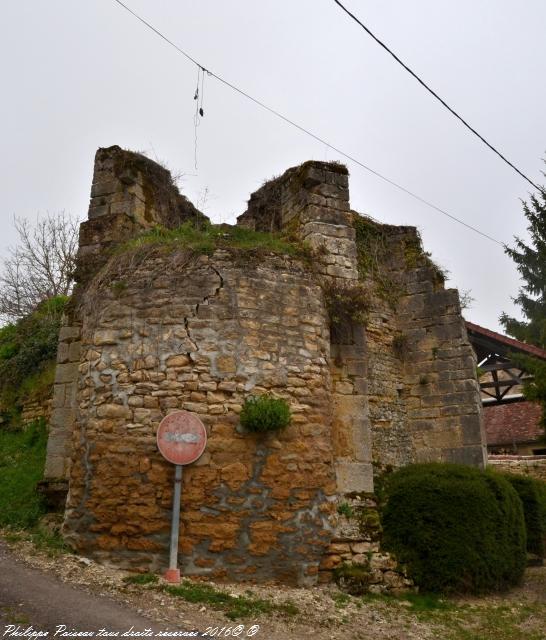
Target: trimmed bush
532, 494
261, 414
456, 528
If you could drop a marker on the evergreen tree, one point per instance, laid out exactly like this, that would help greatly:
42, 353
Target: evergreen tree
531, 263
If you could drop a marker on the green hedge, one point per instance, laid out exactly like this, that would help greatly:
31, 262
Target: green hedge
456, 528
532, 494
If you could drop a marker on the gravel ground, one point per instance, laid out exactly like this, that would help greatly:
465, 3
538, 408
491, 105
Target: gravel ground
324, 612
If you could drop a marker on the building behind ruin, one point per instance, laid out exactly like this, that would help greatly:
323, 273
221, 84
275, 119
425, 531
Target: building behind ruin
345, 318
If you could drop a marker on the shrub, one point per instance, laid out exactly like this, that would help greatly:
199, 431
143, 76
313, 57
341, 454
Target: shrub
27, 354
22, 458
261, 414
456, 528
532, 494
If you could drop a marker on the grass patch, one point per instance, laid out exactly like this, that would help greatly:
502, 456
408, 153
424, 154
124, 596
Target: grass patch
234, 607
52, 543
341, 600
207, 238
142, 579
452, 620
22, 459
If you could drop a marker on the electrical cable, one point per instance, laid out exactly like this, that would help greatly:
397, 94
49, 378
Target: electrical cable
309, 133
432, 92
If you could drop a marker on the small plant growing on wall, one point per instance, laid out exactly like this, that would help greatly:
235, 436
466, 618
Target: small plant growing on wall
261, 414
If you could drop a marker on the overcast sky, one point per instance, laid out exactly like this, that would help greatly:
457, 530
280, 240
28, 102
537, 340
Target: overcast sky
78, 75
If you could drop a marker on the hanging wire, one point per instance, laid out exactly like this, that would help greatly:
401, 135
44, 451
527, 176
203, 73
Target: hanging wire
310, 133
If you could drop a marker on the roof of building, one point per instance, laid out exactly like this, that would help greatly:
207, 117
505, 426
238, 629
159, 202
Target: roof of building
505, 341
513, 423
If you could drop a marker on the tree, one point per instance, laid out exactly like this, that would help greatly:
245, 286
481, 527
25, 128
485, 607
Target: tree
530, 261
40, 266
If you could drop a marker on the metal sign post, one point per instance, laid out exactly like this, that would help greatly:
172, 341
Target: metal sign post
181, 439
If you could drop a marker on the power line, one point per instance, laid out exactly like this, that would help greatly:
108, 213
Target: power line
432, 92
306, 131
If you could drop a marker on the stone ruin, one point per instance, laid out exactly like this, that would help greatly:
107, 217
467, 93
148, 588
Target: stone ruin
154, 327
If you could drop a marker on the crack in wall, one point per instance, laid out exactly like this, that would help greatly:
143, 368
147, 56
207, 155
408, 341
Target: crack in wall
205, 300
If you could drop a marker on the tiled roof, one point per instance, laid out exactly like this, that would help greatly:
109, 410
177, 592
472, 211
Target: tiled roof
530, 349
512, 423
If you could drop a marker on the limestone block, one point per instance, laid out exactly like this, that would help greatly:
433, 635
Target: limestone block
105, 336
74, 351
113, 411
62, 352
354, 476
68, 333
328, 230
66, 372
105, 188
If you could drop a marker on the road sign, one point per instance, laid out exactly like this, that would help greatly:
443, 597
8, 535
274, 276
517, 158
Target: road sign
181, 437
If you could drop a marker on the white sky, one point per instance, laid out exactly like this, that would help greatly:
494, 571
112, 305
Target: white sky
79, 75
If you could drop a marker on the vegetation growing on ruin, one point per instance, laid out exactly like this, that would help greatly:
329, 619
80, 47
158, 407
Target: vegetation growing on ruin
455, 528
262, 414
28, 350
207, 238
415, 256
347, 304
372, 251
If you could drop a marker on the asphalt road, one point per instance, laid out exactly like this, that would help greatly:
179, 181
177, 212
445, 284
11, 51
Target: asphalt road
31, 598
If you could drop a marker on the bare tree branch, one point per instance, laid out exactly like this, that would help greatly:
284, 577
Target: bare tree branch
40, 265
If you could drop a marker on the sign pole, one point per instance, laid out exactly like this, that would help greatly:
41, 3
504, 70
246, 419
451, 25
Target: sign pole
173, 572
181, 439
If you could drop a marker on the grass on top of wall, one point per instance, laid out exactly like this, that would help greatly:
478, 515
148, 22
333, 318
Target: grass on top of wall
207, 238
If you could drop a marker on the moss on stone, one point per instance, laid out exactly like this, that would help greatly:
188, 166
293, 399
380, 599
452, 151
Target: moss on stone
353, 578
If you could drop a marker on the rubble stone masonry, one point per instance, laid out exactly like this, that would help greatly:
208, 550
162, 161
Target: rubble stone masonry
161, 328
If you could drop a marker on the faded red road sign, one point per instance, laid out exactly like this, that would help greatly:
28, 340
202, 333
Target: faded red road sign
181, 437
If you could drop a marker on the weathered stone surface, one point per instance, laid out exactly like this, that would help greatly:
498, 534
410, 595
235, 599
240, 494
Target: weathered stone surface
354, 476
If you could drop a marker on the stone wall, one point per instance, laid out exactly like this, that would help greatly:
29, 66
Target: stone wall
439, 388
533, 466
129, 194
357, 541
201, 335
159, 327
